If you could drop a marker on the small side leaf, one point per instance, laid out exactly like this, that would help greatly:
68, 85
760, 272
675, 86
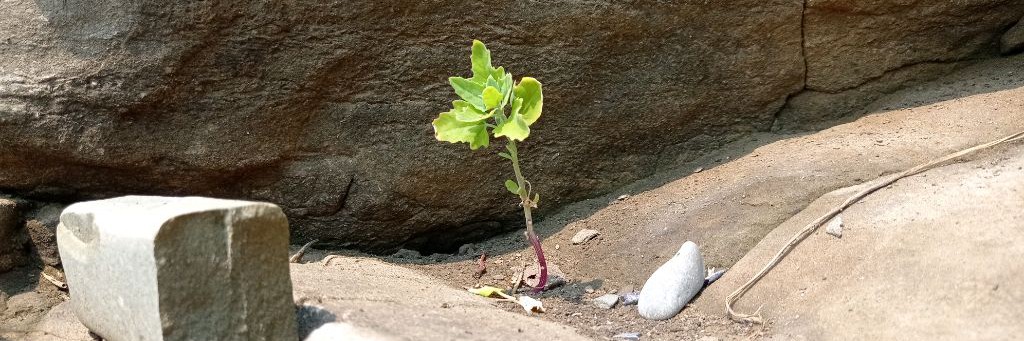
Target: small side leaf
492, 97
505, 155
536, 199
529, 90
449, 128
511, 186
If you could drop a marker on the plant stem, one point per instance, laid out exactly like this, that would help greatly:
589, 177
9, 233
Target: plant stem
527, 204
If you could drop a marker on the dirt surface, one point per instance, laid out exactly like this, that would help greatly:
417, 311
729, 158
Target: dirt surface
402, 304
25, 300
728, 202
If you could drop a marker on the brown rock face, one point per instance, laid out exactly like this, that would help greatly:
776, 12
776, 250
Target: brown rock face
849, 42
1013, 40
324, 108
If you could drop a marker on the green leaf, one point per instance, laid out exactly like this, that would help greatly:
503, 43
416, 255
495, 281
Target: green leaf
515, 128
468, 113
469, 91
492, 97
511, 186
481, 59
448, 128
529, 90
505, 155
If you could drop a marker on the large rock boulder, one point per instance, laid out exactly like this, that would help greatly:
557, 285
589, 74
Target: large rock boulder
325, 108
849, 42
859, 50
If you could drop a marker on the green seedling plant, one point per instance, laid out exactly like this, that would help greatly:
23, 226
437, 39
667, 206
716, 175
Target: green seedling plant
493, 104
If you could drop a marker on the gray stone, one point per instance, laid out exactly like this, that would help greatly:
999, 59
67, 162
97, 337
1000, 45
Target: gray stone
606, 301
584, 235
673, 285
1013, 40
163, 268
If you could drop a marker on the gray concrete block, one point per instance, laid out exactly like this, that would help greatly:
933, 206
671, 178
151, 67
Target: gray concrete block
165, 268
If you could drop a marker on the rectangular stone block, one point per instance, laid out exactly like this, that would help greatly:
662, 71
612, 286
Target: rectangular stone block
172, 268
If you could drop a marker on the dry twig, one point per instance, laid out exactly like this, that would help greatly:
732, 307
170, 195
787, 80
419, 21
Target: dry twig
297, 257
481, 265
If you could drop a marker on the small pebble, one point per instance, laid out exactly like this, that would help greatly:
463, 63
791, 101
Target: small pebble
588, 289
408, 254
622, 197
607, 301
630, 298
467, 249
835, 227
627, 337
584, 235
713, 276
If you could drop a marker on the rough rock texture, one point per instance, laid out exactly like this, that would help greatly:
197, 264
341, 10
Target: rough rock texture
933, 257
395, 302
324, 108
41, 226
165, 268
12, 240
1013, 40
857, 51
848, 42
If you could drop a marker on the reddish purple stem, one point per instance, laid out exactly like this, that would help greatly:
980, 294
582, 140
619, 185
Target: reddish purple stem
543, 280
